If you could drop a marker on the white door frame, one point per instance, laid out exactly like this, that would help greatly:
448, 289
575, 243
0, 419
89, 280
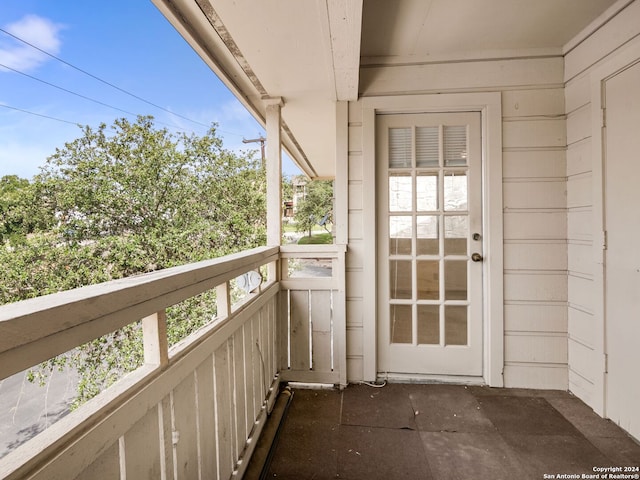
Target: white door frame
490, 106
625, 57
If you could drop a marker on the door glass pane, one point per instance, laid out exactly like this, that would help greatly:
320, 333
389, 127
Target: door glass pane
400, 193
401, 328
399, 147
428, 324
427, 146
427, 235
455, 145
427, 192
428, 279
455, 280
456, 233
400, 233
400, 278
455, 325
455, 191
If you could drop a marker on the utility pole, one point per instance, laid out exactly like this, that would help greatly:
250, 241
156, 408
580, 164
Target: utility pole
260, 140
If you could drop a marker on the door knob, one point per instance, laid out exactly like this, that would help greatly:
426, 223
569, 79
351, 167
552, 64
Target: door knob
476, 257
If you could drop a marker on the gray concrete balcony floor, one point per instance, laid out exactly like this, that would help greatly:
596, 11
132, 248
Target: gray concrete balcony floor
444, 432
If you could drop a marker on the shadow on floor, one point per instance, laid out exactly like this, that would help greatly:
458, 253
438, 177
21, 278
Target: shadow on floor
445, 432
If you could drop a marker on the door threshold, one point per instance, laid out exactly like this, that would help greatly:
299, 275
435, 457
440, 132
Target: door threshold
392, 377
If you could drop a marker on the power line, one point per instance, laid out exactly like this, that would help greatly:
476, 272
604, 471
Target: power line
66, 90
3, 105
85, 97
38, 114
108, 83
75, 123
82, 96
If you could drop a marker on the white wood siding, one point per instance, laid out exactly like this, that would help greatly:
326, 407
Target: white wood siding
356, 253
619, 35
535, 253
534, 189
548, 179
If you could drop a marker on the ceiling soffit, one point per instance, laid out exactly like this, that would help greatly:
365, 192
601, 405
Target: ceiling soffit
425, 31
308, 53
262, 94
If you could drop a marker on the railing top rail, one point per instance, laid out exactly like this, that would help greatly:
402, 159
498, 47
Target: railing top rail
94, 310
302, 251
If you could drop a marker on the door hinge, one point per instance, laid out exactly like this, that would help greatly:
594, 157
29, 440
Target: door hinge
603, 239
606, 363
603, 117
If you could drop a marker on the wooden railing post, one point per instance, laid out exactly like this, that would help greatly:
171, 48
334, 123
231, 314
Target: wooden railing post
154, 334
223, 300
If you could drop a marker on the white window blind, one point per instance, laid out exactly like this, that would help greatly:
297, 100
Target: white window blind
455, 145
399, 147
427, 146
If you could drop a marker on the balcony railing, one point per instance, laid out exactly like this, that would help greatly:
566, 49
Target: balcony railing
312, 302
193, 410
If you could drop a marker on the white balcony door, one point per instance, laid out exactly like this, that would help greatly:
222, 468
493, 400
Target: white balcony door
430, 243
622, 258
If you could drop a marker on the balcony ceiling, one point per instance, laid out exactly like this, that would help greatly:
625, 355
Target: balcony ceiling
310, 52
417, 31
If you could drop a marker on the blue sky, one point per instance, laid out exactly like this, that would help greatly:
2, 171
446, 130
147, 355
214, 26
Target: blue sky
125, 42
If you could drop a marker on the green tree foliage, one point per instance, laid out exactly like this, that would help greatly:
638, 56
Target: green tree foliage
316, 205
126, 200
141, 180
287, 189
16, 217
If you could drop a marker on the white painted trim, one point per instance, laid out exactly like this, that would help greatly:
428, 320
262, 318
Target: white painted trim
461, 57
629, 55
274, 171
430, 379
369, 229
490, 105
341, 182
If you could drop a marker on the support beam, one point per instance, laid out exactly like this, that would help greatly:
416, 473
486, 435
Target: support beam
274, 171
345, 25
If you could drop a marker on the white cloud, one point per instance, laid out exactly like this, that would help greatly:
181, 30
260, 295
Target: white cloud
38, 31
